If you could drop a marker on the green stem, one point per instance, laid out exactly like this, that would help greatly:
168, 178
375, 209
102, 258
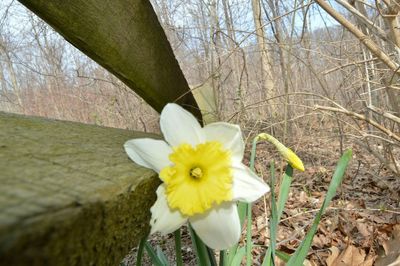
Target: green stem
248, 236
140, 251
222, 258
211, 256
249, 218
200, 248
178, 247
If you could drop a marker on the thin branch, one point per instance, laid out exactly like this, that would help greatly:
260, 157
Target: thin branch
360, 117
366, 40
364, 20
384, 114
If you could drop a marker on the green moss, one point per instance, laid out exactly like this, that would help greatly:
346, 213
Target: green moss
69, 193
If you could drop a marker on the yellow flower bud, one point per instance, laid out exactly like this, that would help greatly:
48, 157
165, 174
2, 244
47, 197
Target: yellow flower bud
286, 153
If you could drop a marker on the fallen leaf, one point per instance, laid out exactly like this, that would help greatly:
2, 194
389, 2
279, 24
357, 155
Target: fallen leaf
392, 250
351, 256
332, 258
364, 228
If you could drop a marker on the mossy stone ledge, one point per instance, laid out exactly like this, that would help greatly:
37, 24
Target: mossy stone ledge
69, 195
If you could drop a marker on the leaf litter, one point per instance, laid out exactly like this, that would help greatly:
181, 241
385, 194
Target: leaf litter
360, 228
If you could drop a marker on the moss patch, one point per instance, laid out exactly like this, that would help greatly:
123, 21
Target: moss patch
69, 193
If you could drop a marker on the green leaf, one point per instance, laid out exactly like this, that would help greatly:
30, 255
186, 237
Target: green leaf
242, 209
153, 255
211, 256
282, 255
178, 247
237, 259
231, 254
249, 243
162, 256
200, 249
269, 254
140, 251
223, 258
276, 211
299, 256
249, 209
284, 190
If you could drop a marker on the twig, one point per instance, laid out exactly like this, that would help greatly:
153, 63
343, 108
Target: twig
360, 117
384, 114
366, 40
389, 165
364, 20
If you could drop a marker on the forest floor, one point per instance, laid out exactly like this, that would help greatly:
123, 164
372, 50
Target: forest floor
361, 226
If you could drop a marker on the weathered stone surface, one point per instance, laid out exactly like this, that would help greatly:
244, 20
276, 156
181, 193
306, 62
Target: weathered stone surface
125, 37
69, 195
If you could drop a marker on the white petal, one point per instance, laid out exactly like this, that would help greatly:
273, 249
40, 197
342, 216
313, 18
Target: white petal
179, 126
218, 228
229, 135
163, 219
150, 153
247, 186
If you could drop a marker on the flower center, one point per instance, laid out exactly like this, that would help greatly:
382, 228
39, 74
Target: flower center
196, 173
199, 178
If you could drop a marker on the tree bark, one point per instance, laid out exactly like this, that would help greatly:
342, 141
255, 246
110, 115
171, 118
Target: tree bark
126, 38
266, 71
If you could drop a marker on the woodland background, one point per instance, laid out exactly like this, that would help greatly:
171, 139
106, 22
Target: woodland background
282, 67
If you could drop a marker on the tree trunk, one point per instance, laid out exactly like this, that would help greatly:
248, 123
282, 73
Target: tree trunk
266, 71
126, 38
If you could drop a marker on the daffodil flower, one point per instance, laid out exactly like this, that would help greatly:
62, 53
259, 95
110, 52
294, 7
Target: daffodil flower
203, 176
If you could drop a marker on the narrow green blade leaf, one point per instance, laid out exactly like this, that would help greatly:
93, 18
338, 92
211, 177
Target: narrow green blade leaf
249, 243
223, 258
200, 249
237, 259
211, 256
140, 251
284, 190
249, 218
178, 247
299, 256
269, 255
161, 256
231, 254
153, 255
282, 255
242, 209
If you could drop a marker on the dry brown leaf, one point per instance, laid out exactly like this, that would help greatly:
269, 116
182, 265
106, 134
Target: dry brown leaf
261, 223
351, 256
309, 263
303, 198
393, 245
332, 258
392, 249
321, 241
396, 262
364, 228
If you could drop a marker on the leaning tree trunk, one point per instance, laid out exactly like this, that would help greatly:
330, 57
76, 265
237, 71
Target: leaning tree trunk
126, 38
